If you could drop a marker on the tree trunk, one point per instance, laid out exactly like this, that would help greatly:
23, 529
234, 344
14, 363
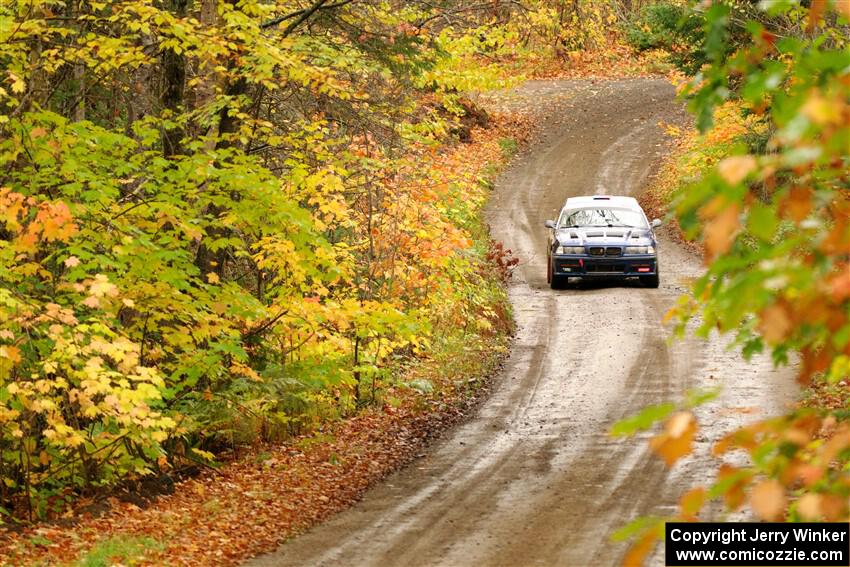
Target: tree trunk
174, 82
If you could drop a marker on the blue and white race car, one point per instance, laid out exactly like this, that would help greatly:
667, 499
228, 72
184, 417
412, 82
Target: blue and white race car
602, 236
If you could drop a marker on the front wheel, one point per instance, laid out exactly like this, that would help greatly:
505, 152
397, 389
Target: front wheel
555, 281
651, 281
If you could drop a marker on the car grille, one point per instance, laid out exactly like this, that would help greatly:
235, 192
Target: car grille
603, 251
606, 268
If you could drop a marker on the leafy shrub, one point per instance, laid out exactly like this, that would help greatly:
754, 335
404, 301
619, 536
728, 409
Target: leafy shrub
655, 26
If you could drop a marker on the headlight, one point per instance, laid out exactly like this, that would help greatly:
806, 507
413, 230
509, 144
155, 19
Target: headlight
639, 250
570, 250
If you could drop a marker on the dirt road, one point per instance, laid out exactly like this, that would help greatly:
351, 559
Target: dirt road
535, 479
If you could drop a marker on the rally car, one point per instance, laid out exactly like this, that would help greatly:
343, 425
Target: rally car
602, 236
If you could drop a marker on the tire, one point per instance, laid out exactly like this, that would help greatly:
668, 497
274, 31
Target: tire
651, 281
555, 281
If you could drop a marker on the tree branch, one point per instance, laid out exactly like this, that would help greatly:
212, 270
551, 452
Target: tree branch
302, 15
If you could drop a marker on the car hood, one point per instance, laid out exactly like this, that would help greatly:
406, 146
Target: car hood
615, 236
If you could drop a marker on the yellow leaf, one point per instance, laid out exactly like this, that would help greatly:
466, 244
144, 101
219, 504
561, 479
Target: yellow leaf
100, 286
18, 84
768, 500
11, 353
822, 111
213, 278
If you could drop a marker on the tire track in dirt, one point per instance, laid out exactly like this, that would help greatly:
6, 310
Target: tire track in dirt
534, 479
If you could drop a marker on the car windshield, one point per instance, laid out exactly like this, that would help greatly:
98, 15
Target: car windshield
580, 218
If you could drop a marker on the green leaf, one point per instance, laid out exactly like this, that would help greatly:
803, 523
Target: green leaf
645, 419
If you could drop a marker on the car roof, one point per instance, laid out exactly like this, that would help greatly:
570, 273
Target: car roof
605, 200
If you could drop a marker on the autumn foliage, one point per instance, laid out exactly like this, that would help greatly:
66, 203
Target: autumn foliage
224, 222
764, 188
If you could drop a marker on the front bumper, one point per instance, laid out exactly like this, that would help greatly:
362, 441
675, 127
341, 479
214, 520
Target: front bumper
594, 266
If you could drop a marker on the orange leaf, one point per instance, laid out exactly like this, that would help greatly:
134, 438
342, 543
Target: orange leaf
836, 444
775, 323
676, 439
735, 169
797, 204
734, 495
720, 231
768, 500
809, 474
815, 12
809, 506
833, 507
691, 503
839, 285
814, 361
638, 552
11, 353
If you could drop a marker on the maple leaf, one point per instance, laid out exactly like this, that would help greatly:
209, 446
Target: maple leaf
820, 110
735, 169
677, 438
100, 287
809, 506
721, 230
797, 204
768, 500
691, 503
640, 550
775, 323
11, 353
839, 285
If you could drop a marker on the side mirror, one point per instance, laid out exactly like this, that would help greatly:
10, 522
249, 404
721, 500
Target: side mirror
656, 223
550, 224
